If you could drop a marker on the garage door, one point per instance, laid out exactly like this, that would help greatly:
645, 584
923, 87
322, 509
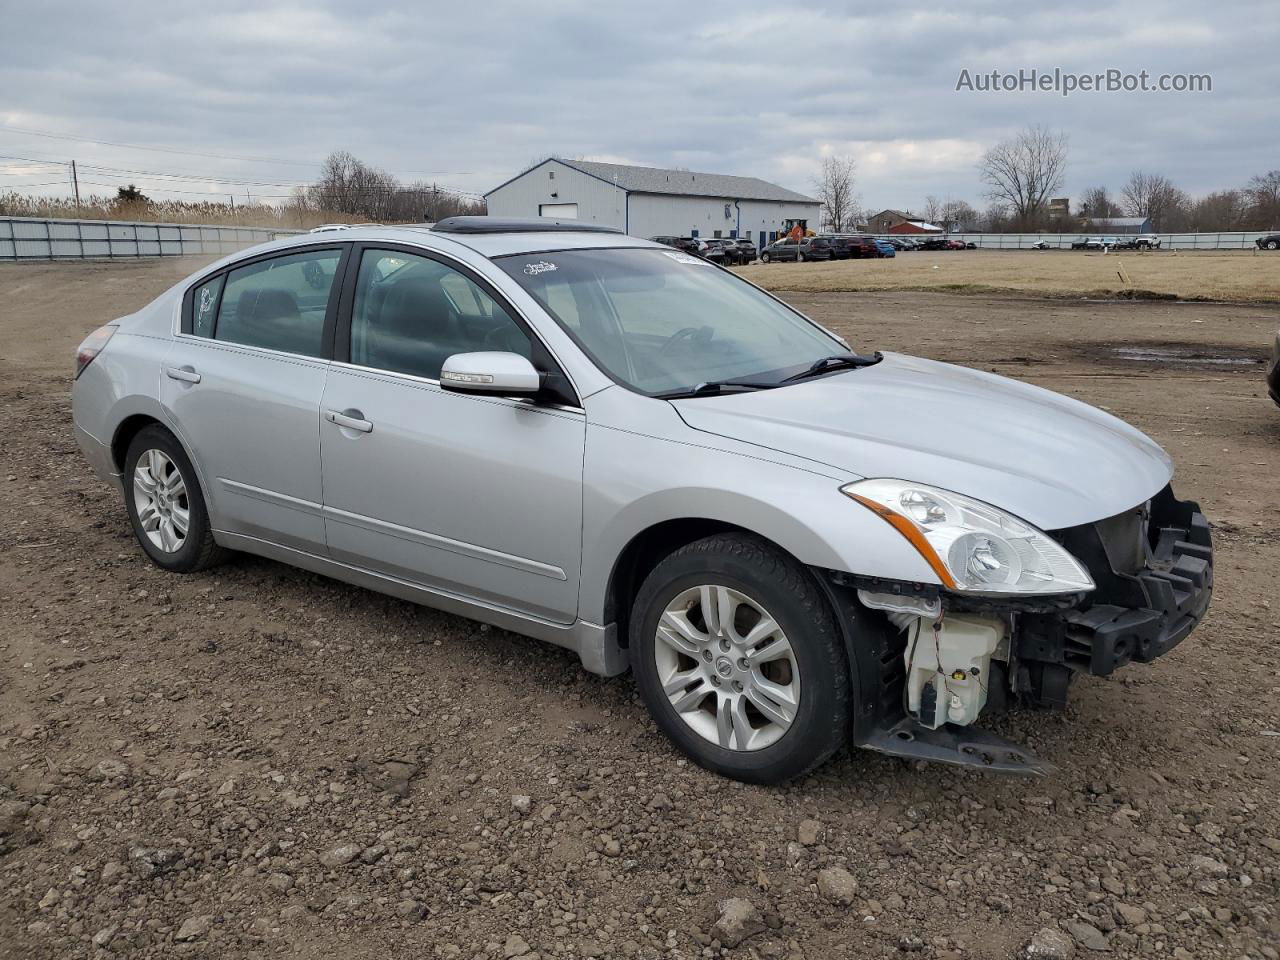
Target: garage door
565, 211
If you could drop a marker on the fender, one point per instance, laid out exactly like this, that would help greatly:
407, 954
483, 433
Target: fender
627, 490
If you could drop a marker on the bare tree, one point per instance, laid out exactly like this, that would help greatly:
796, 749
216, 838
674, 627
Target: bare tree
955, 214
1222, 210
932, 209
1153, 195
995, 219
835, 190
351, 187
1263, 192
1096, 202
1021, 173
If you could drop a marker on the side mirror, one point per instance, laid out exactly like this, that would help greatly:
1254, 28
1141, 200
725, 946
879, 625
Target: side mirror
490, 373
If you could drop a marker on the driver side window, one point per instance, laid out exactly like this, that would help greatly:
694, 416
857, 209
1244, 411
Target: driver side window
412, 313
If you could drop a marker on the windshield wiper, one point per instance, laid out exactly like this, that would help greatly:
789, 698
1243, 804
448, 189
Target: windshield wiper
715, 386
847, 360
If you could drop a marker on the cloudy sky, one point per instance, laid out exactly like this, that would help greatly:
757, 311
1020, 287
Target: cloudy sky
255, 94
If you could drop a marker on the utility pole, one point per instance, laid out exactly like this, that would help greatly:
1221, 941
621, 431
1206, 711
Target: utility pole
75, 185
232, 198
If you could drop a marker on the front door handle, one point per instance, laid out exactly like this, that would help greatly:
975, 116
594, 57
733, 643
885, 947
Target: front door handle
351, 419
185, 374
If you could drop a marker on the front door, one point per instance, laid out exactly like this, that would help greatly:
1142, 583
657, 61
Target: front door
242, 386
478, 497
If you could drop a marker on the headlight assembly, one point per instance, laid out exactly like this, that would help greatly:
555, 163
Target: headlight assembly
972, 546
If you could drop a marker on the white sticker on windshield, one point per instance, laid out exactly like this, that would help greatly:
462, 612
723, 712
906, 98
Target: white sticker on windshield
685, 258
542, 266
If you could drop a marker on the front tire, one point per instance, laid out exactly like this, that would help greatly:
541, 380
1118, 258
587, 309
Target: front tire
1273, 244
764, 258
166, 506
739, 659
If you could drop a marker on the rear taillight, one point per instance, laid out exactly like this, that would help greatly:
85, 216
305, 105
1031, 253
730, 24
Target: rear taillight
92, 346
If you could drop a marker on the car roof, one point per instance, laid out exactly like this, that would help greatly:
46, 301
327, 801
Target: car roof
486, 244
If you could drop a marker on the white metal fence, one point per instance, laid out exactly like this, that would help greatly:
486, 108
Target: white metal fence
29, 238
1063, 241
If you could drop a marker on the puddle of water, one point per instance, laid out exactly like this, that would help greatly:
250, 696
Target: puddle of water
1173, 355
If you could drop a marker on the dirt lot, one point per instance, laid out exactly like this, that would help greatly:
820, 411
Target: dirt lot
260, 762
1205, 275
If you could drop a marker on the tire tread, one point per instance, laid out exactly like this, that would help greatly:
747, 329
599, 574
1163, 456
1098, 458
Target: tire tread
784, 572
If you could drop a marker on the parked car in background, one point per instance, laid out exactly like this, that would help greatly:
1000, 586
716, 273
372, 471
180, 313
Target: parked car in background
854, 247
1273, 375
886, 248
1146, 241
901, 244
687, 244
728, 250
1042, 245
816, 248
955, 245
934, 243
1091, 243
746, 250
1271, 242
809, 248
593, 440
784, 248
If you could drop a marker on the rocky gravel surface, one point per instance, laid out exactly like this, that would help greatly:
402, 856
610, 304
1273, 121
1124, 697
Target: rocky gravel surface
259, 762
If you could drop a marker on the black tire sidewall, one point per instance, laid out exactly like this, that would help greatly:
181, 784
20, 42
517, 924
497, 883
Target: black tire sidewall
188, 557
821, 725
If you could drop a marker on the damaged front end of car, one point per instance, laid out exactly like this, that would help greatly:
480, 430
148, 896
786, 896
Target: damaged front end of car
954, 652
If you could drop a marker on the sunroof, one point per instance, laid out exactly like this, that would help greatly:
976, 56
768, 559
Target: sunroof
518, 225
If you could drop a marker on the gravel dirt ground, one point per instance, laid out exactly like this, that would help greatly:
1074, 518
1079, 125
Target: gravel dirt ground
259, 762
1236, 275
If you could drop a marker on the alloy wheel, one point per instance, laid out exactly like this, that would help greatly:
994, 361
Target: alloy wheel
727, 668
160, 498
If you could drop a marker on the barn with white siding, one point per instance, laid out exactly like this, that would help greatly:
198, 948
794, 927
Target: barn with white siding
652, 202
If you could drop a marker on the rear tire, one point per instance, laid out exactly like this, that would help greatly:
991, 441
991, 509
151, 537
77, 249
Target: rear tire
166, 505
763, 697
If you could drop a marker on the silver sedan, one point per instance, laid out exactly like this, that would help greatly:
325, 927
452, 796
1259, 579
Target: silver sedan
633, 453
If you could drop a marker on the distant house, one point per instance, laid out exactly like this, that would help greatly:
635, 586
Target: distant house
899, 221
1119, 224
654, 202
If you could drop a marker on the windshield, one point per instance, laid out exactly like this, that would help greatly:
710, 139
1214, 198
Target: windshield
662, 321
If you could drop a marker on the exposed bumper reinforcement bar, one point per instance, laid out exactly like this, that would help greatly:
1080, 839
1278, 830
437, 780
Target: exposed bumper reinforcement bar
959, 746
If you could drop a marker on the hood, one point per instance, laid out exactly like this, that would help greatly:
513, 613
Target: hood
1053, 461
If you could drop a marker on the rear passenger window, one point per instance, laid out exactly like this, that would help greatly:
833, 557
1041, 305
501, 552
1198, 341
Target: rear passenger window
411, 314
204, 306
279, 304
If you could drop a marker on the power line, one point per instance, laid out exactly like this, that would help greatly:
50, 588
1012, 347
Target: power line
195, 176
137, 146
199, 178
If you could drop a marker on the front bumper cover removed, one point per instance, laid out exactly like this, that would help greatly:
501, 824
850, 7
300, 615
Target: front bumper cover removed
1153, 567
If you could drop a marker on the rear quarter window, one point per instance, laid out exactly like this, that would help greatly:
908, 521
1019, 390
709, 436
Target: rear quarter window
204, 306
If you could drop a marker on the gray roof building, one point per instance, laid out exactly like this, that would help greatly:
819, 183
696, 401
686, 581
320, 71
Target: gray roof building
1120, 224
686, 183
654, 201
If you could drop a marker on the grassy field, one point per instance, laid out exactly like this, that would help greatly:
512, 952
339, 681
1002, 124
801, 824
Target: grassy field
1228, 275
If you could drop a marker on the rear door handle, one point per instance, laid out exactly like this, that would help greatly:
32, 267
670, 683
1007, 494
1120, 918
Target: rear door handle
185, 374
351, 419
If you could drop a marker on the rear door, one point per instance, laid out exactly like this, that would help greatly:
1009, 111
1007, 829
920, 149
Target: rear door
242, 385
478, 497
